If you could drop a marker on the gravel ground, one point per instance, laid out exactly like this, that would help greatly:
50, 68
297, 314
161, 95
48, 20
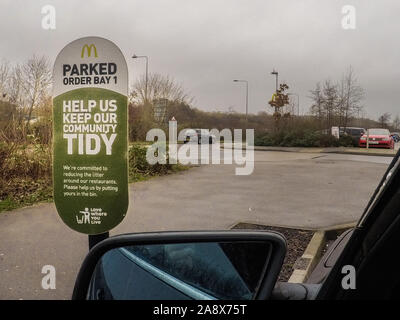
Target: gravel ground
297, 241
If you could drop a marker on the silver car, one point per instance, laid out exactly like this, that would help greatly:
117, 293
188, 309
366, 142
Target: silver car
202, 136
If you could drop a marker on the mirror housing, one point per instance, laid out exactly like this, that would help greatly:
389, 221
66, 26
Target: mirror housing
275, 243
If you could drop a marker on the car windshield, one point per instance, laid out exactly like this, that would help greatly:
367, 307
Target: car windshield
120, 117
379, 132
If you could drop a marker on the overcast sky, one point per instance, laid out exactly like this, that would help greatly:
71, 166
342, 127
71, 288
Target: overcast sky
205, 44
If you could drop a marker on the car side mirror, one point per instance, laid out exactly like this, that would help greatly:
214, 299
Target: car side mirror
182, 265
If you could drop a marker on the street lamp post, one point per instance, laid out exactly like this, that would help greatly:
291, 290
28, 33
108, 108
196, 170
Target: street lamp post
276, 86
276, 79
147, 73
298, 101
247, 94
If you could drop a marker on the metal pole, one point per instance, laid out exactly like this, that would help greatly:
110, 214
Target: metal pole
247, 95
147, 76
247, 98
276, 84
298, 105
298, 101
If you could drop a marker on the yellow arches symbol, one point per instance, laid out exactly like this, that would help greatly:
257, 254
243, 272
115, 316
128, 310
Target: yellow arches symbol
89, 50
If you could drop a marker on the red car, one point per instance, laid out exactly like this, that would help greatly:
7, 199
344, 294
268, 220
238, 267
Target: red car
377, 138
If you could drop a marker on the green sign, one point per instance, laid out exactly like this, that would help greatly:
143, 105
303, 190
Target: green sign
90, 148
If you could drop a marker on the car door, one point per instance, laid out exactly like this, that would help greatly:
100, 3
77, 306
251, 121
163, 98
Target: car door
369, 258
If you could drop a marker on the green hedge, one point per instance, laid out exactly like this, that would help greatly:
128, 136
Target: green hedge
140, 169
303, 139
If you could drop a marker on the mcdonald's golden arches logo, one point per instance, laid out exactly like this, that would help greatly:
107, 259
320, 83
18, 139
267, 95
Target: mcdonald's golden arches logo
89, 49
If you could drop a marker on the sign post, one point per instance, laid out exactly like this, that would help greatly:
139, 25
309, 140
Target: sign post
335, 131
90, 136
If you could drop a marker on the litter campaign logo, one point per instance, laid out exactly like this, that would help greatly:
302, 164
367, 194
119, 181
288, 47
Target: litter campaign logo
90, 127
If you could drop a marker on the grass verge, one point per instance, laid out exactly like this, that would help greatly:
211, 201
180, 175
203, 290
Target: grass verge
20, 191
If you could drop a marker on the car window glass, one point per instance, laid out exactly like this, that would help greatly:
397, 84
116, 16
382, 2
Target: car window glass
115, 275
219, 268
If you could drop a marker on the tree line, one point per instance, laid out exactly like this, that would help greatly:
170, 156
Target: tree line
25, 86
336, 103
25, 97
340, 104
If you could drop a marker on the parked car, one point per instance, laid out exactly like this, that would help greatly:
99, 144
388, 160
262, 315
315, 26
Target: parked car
355, 132
379, 138
200, 136
395, 136
243, 264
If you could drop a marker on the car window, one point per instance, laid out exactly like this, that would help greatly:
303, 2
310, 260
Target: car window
213, 268
379, 132
110, 281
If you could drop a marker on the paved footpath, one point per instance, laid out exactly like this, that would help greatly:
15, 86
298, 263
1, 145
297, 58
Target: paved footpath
339, 150
307, 190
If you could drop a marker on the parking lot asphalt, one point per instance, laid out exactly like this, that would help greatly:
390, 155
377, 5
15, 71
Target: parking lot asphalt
303, 190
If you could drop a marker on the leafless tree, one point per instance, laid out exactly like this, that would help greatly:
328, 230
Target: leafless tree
325, 102
36, 75
384, 119
4, 78
159, 87
337, 103
350, 96
330, 101
16, 87
317, 107
396, 123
